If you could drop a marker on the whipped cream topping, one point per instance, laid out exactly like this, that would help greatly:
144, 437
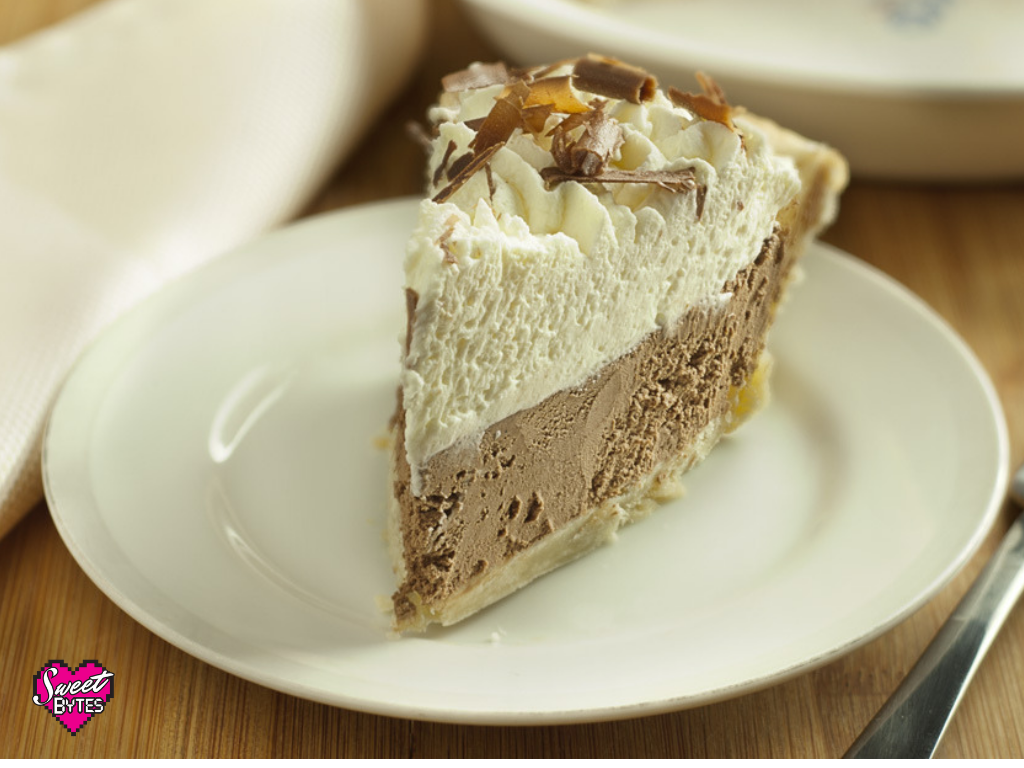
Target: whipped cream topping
525, 289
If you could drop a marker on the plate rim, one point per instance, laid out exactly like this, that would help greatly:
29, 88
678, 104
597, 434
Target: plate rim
167, 298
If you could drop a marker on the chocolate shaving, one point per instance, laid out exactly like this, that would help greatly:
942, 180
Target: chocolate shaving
458, 164
497, 126
601, 137
614, 79
584, 141
556, 91
476, 76
535, 73
464, 174
517, 93
502, 120
444, 162
561, 141
530, 118
587, 154
681, 180
490, 182
709, 105
522, 73
536, 117
411, 300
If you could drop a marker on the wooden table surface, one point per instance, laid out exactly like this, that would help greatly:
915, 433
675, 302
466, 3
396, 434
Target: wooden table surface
960, 248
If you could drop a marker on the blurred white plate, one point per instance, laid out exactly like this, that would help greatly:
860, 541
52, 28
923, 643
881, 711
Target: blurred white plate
914, 89
211, 465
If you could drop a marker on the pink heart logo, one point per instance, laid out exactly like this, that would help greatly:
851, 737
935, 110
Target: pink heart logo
73, 696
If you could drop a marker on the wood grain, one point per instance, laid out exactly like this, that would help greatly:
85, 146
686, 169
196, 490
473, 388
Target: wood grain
959, 248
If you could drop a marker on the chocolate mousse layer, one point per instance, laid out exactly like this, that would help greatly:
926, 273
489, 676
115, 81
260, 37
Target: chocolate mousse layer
538, 470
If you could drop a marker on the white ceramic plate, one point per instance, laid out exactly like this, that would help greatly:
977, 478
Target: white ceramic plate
211, 464
924, 89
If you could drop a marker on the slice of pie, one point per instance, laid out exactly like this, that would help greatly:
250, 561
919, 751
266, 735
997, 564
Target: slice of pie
588, 289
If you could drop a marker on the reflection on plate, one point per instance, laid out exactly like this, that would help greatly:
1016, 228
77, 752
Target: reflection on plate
213, 463
905, 88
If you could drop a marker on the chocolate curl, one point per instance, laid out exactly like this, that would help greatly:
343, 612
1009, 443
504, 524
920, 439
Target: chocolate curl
497, 126
681, 180
491, 134
614, 79
709, 105
600, 138
561, 142
556, 92
477, 75
532, 118
711, 88
503, 119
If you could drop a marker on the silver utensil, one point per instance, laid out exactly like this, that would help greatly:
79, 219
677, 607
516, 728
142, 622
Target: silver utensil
912, 721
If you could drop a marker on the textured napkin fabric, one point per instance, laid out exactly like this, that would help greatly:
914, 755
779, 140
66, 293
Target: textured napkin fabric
141, 138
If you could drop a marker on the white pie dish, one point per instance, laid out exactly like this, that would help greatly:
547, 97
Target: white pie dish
909, 89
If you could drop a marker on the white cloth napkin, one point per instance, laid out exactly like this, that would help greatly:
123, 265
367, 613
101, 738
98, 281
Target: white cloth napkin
143, 137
